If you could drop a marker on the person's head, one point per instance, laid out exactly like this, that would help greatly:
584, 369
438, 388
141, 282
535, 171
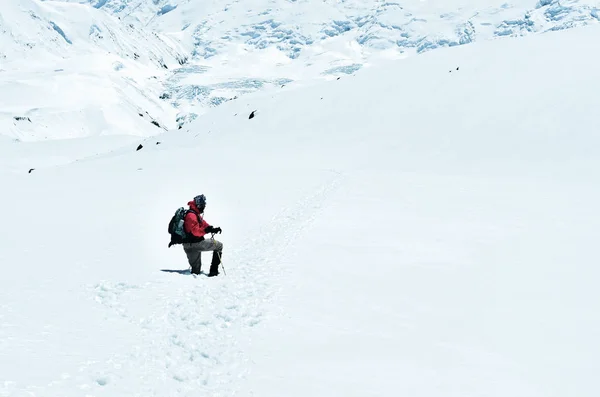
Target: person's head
200, 202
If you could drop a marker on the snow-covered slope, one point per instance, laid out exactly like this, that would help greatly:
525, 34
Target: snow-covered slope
52, 30
294, 26
69, 70
425, 228
238, 47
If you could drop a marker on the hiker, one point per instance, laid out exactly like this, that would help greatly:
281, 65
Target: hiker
196, 227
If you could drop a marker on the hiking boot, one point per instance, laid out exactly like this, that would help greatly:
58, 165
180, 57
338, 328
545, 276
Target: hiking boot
214, 264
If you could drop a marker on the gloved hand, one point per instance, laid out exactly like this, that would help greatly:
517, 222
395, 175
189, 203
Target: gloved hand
211, 229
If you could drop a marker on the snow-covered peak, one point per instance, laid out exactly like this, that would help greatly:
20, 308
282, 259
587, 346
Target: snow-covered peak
70, 70
46, 31
294, 26
243, 46
183, 57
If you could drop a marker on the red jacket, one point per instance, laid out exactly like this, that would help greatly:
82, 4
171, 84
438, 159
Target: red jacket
193, 223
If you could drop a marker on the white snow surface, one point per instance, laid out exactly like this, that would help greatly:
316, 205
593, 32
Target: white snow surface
426, 227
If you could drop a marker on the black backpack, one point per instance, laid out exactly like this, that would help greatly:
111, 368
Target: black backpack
176, 229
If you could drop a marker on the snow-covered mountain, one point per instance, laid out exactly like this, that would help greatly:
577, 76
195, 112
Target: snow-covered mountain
42, 32
425, 228
69, 70
74, 65
293, 26
241, 46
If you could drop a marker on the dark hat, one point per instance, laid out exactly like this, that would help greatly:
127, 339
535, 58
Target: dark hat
200, 201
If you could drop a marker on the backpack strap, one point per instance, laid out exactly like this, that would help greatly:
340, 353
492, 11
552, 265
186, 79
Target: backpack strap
198, 216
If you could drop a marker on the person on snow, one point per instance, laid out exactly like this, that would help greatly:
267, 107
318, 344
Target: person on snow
196, 227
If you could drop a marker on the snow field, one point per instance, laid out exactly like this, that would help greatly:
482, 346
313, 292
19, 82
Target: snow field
420, 230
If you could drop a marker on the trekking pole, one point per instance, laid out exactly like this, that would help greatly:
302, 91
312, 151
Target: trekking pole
219, 253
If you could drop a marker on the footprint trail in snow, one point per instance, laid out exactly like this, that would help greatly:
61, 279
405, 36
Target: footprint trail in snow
193, 338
